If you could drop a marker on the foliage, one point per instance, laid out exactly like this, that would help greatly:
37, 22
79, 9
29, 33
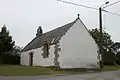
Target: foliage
9, 58
12, 57
110, 49
107, 42
109, 58
8, 50
118, 58
117, 51
6, 41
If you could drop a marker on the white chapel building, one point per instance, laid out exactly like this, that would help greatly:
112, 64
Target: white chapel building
68, 46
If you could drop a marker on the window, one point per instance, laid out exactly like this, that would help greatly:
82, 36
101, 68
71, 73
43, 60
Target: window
45, 50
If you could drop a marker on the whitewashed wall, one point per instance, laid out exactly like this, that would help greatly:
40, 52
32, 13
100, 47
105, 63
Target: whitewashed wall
38, 59
78, 48
24, 58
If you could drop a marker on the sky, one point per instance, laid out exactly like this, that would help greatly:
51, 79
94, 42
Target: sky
22, 17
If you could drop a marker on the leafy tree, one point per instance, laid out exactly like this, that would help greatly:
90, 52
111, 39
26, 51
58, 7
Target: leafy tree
6, 42
118, 58
116, 48
107, 42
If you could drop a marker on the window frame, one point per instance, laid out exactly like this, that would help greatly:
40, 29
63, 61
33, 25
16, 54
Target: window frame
46, 49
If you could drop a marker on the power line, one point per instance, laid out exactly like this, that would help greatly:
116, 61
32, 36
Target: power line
77, 4
111, 12
87, 7
112, 4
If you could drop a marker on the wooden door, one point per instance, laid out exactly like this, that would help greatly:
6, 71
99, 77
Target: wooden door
31, 59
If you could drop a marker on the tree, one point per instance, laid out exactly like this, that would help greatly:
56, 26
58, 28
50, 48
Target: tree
13, 56
107, 42
116, 48
6, 42
118, 58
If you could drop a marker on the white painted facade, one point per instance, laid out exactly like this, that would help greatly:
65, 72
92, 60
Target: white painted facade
78, 50
38, 59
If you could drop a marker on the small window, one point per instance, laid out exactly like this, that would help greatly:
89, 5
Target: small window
45, 50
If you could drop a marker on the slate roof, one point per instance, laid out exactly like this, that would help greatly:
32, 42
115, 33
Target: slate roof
55, 35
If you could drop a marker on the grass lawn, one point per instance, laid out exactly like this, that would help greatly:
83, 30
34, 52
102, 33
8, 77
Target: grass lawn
16, 70
111, 68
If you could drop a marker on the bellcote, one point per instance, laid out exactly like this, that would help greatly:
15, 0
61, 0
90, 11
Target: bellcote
39, 31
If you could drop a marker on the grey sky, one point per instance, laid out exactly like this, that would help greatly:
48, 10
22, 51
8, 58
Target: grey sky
23, 17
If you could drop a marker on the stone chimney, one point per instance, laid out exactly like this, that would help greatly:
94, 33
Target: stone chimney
39, 31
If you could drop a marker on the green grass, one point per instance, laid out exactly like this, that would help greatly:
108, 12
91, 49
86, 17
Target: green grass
16, 70
111, 68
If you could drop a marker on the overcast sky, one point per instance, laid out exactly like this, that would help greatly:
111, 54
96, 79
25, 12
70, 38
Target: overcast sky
22, 17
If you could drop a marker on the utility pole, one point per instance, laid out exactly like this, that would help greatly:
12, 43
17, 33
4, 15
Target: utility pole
101, 38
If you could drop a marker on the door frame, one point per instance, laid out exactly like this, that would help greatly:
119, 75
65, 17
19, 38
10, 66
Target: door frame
31, 58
